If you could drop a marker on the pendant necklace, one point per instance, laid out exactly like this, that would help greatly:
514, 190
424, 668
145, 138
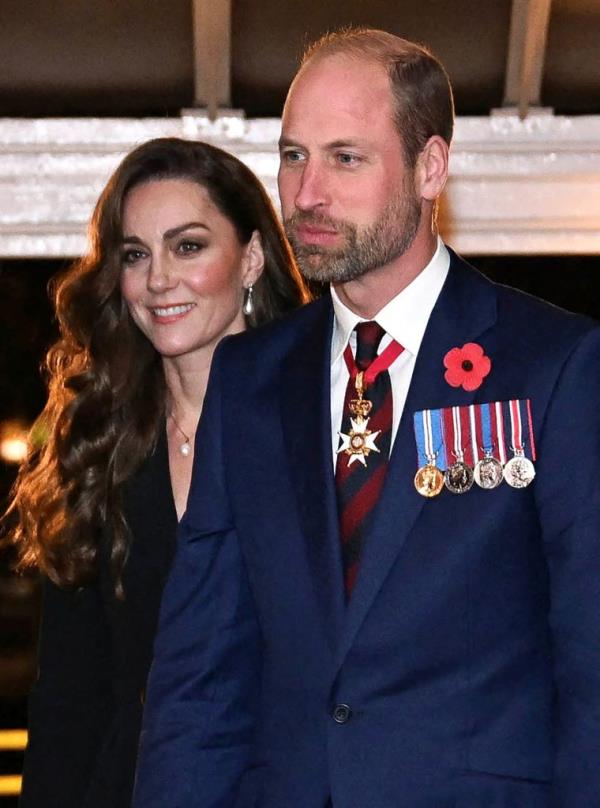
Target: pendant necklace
185, 448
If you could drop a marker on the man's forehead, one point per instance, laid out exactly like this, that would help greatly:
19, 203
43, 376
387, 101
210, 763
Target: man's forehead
337, 73
338, 91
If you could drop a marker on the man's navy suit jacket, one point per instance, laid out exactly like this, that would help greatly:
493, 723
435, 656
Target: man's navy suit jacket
468, 657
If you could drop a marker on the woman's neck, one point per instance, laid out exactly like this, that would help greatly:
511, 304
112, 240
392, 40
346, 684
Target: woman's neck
186, 379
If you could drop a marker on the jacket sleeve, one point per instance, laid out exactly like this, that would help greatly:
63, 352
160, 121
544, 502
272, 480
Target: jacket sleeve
568, 493
203, 685
70, 704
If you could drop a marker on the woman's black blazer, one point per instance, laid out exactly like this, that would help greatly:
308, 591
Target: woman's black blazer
94, 656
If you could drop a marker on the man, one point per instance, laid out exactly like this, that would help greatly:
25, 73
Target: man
352, 620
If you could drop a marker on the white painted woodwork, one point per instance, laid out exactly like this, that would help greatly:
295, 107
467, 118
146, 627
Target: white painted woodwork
517, 186
526, 52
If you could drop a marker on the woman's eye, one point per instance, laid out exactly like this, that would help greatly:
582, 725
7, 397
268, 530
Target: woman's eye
132, 256
188, 247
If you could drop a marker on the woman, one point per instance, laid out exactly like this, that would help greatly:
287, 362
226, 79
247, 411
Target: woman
185, 249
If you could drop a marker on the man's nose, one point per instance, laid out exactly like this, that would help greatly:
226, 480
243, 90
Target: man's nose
313, 190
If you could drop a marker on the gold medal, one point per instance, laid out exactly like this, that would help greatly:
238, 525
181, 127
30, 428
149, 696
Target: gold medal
429, 480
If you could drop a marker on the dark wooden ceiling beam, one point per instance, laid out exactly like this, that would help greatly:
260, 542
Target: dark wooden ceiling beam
212, 55
526, 52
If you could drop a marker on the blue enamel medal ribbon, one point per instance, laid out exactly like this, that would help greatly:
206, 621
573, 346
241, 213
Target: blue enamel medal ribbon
430, 437
487, 435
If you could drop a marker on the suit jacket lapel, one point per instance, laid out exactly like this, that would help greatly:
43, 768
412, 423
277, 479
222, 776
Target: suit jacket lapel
465, 309
306, 418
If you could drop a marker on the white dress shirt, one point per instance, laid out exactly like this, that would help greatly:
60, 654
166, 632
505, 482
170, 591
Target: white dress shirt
404, 319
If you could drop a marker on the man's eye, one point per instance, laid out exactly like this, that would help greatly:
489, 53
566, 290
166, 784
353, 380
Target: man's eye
132, 256
348, 159
292, 156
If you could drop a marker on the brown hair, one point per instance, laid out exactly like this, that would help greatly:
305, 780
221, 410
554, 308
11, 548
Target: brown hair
106, 398
420, 86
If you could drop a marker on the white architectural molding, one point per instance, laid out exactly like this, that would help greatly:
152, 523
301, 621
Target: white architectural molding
530, 186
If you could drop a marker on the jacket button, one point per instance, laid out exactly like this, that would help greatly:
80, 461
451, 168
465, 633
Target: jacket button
341, 713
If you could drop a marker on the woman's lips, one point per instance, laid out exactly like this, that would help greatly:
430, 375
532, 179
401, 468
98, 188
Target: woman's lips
170, 314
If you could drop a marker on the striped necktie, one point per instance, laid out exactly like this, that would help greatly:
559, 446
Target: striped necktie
358, 486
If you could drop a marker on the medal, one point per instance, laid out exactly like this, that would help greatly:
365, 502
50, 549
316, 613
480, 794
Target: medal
458, 477
488, 470
519, 471
429, 479
359, 442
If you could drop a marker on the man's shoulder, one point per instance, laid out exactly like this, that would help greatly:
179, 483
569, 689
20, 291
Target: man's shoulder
279, 336
524, 316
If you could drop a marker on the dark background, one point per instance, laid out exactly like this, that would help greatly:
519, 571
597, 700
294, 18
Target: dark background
135, 57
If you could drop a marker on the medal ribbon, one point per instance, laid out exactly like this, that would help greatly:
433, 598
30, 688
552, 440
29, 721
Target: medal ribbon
516, 427
488, 444
530, 425
518, 413
385, 359
499, 421
429, 436
458, 448
473, 432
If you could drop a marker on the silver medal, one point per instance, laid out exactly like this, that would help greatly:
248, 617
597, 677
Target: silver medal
488, 473
519, 471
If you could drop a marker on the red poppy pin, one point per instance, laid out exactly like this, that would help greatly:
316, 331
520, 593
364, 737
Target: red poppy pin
466, 367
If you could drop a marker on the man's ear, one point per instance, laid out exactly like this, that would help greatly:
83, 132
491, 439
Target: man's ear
431, 171
254, 260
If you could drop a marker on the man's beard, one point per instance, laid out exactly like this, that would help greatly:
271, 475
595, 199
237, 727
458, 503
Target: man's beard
363, 250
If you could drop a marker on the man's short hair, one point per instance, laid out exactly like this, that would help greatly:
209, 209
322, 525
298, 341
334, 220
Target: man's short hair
420, 86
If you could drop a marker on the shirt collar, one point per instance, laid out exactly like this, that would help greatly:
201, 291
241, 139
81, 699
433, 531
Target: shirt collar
405, 316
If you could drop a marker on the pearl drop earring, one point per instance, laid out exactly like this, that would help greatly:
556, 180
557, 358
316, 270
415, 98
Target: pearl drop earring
248, 307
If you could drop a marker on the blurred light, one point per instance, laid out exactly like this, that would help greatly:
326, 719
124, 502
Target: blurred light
13, 441
13, 450
13, 739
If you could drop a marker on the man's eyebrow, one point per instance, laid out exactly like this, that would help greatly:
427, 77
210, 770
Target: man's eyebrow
349, 143
284, 142
346, 143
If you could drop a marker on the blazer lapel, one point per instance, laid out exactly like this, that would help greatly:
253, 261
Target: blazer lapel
465, 309
306, 419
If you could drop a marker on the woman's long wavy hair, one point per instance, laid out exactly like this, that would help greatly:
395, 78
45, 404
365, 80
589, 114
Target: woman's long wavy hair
106, 388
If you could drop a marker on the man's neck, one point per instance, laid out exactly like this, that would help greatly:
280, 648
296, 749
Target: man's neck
368, 294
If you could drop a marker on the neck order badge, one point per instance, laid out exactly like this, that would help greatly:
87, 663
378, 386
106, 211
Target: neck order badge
360, 441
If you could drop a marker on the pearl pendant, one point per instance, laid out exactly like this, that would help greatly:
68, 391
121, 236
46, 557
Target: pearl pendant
185, 449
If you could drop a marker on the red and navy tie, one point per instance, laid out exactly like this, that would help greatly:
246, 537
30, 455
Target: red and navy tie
358, 486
